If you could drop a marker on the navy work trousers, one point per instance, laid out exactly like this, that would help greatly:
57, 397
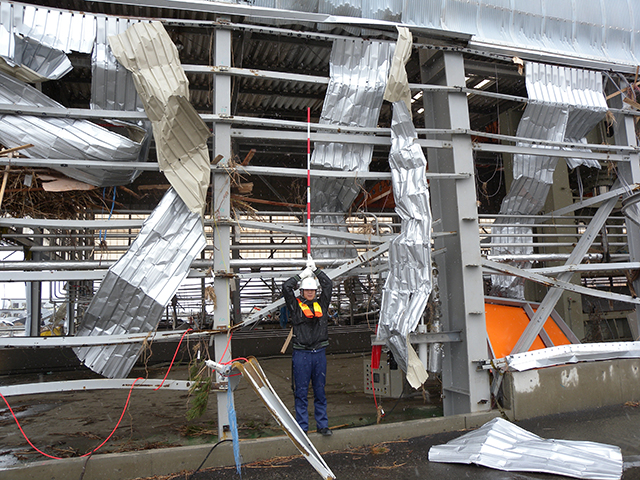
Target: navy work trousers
310, 366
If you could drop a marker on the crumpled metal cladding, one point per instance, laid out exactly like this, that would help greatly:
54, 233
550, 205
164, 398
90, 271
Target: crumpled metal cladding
564, 105
146, 50
66, 138
139, 286
38, 38
504, 446
112, 86
408, 286
358, 77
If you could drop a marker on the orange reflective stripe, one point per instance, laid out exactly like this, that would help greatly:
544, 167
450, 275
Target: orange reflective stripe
307, 311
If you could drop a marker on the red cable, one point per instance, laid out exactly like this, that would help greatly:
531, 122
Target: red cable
173, 359
226, 347
123, 410
233, 359
86, 454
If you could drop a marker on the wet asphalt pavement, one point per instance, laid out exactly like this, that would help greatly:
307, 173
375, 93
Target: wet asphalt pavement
408, 459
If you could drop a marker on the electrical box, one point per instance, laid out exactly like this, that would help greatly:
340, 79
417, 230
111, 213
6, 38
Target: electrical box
385, 381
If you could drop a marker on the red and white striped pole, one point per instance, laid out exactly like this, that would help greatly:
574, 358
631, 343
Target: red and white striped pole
308, 181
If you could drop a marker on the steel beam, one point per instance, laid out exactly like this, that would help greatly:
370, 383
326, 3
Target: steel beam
300, 230
558, 284
553, 295
93, 384
302, 173
625, 134
91, 341
333, 274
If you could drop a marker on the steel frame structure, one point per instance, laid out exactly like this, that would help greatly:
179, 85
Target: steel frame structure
450, 149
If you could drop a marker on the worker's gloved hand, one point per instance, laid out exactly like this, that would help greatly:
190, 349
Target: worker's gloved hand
310, 263
307, 272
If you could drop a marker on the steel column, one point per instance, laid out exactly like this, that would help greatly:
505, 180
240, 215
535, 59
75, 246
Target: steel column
220, 216
465, 389
34, 304
625, 134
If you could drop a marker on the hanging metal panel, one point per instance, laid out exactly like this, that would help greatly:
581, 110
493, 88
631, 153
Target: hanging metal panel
180, 135
134, 293
58, 29
408, 285
112, 86
390, 10
564, 105
359, 71
33, 40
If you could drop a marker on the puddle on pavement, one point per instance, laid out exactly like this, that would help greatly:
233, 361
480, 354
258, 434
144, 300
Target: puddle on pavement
26, 411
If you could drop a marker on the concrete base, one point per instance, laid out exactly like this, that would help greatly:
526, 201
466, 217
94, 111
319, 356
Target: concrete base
124, 466
568, 388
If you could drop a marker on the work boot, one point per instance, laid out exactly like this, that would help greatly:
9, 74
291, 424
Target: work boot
325, 432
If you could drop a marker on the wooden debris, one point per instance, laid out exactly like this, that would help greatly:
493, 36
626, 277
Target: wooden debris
248, 158
266, 202
391, 467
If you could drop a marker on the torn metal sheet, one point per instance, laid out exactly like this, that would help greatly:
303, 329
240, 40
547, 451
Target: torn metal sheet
398, 85
112, 86
504, 446
60, 29
408, 286
34, 40
359, 71
563, 354
66, 138
181, 136
134, 293
252, 371
564, 105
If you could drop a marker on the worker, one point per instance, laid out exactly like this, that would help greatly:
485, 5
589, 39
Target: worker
309, 316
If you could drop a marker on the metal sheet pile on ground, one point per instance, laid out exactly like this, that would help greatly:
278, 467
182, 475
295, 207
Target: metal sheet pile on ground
564, 105
502, 445
134, 293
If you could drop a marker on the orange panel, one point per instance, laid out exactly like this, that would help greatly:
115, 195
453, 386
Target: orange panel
505, 325
554, 332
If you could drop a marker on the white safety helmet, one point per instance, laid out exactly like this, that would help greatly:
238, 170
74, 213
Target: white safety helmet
308, 283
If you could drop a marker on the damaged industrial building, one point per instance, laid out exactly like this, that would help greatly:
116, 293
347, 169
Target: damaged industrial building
466, 173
